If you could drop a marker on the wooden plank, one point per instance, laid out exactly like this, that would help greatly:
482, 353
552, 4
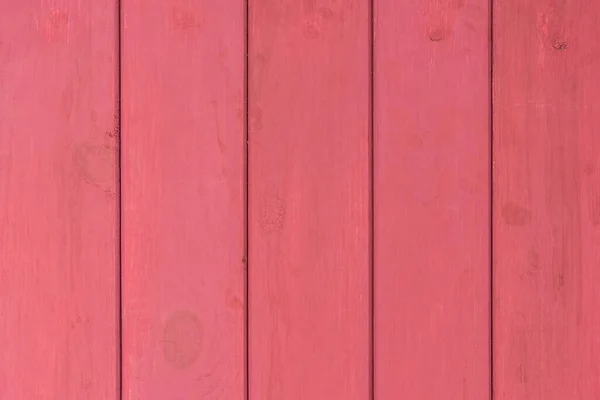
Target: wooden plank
546, 200
309, 199
431, 199
58, 202
183, 199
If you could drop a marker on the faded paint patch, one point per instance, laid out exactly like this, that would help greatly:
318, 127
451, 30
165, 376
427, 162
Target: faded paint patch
182, 339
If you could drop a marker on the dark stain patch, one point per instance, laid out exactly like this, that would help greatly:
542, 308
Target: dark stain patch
588, 169
436, 33
111, 136
186, 19
560, 281
272, 215
325, 12
182, 339
235, 303
117, 118
515, 215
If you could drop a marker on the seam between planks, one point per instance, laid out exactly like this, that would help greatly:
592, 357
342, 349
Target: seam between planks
246, 204
119, 205
371, 199
491, 193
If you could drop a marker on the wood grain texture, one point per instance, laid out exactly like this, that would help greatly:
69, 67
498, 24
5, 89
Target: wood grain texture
183, 199
431, 199
546, 200
58, 202
309, 199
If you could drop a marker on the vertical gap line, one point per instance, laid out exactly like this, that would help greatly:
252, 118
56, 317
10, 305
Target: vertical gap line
371, 200
246, 204
491, 178
120, 202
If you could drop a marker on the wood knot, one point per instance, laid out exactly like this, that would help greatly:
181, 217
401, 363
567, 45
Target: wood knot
436, 33
559, 42
559, 45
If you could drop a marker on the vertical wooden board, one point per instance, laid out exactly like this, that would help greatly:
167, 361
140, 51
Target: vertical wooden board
546, 199
58, 202
183, 199
309, 199
432, 199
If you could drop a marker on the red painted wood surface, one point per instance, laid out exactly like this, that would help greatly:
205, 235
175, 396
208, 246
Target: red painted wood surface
432, 200
58, 201
546, 200
183, 199
309, 199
